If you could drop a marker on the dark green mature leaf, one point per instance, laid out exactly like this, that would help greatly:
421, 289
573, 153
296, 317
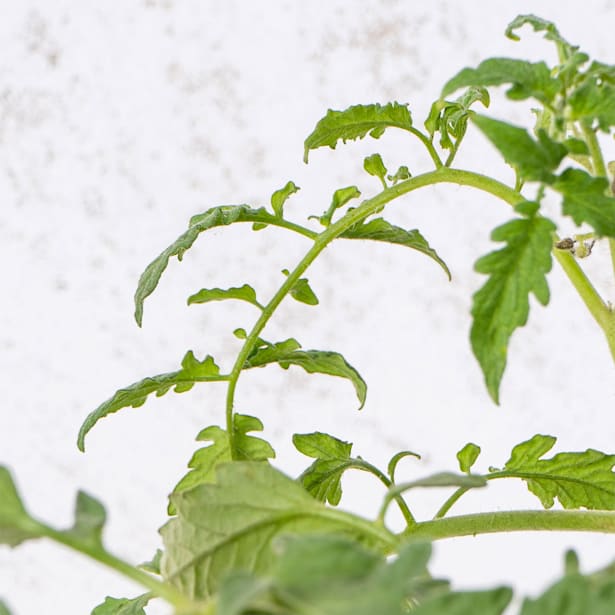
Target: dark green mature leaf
577, 480
467, 457
230, 525
279, 197
123, 606
135, 395
205, 460
528, 80
288, 353
502, 304
356, 122
535, 160
491, 602
15, 523
217, 216
243, 293
379, 229
585, 200
323, 478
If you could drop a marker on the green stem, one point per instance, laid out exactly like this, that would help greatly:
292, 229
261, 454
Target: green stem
513, 521
96, 552
401, 503
428, 144
370, 206
451, 500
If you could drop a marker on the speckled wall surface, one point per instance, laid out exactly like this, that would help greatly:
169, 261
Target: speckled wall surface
120, 120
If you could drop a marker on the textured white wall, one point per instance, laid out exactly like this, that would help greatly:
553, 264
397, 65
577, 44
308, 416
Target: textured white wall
120, 120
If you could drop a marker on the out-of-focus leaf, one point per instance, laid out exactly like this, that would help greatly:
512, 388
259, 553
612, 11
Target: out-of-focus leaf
467, 457
205, 460
490, 602
4, 610
528, 79
539, 25
356, 122
90, 518
123, 606
585, 200
323, 478
379, 229
153, 565
535, 160
243, 293
16, 526
231, 524
279, 197
394, 461
577, 480
502, 304
135, 395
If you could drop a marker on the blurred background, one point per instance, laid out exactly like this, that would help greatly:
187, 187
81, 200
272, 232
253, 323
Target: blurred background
118, 121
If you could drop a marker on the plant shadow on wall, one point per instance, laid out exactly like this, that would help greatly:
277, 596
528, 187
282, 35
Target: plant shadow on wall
244, 538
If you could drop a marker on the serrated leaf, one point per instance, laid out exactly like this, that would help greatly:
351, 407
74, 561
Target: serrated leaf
123, 606
217, 216
323, 478
400, 175
231, 524
135, 395
585, 200
379, 229
535, 160
539, 25
279, 197
15, 523
356, 122
490, 602
243, 293
528, 80
288, 353
302, 291
205, 460
467, 457
339, 199
577, 480
502, 304
594, 101
374, 166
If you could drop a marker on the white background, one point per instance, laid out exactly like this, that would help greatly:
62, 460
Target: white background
120, 120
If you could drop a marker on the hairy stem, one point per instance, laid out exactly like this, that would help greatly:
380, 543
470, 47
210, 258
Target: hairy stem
513, 521
428, 145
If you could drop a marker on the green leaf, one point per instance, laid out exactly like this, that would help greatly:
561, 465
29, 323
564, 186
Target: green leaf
577, 480
16, 526
356, 122
528, 80
594, 101
467, 456
135, 395
302, 291
287, 353
217, 216
230, 525
90, 518
585, 200
4, 610
205, 460
123, 606
374, 166
323, 478
279, 197
243, 293
340, 198
400, 175
490, 602
379, 229
238, 591
502, 304
535, 160
539, 25
153, 565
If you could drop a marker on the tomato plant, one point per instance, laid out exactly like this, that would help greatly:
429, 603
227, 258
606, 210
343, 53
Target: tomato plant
243, 536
